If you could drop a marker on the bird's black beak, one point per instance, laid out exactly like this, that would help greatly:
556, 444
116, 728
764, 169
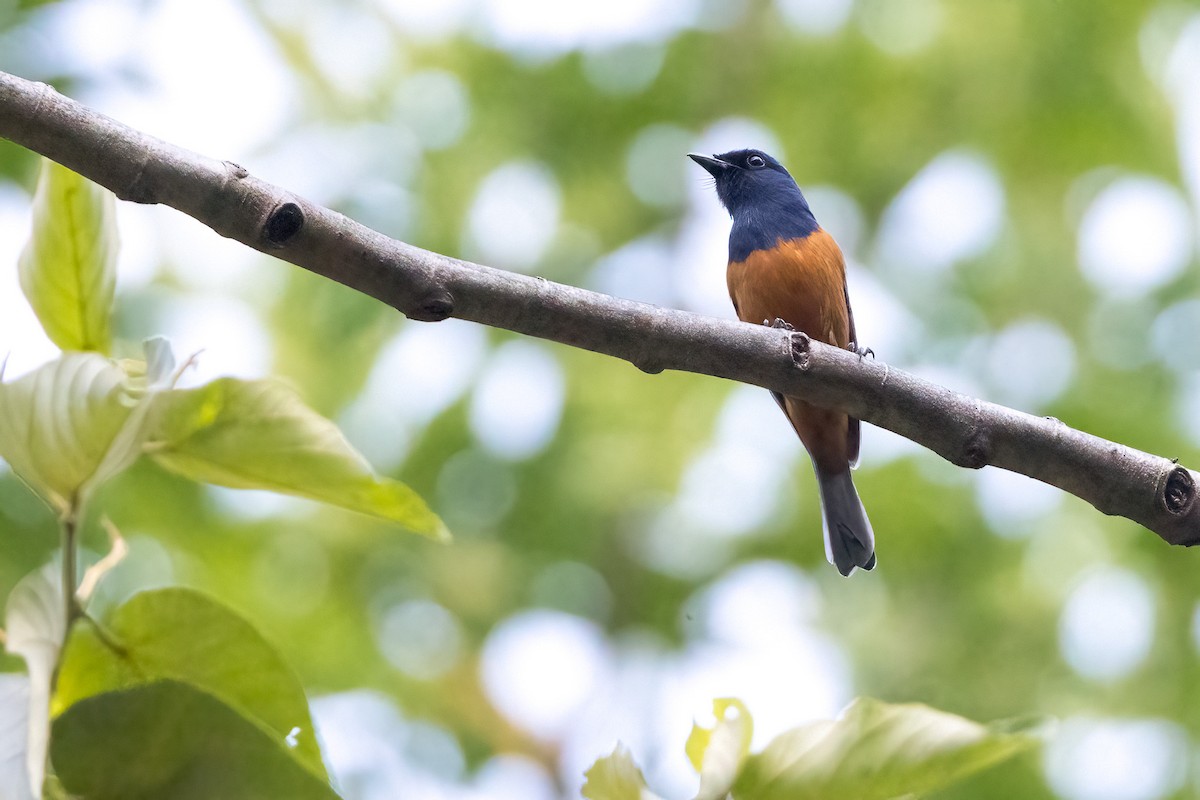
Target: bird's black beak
715, 166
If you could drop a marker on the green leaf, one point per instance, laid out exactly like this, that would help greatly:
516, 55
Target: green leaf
71, 424
172, 741
186, 636
616, 777
877, 751
718, 753
259, 435
35, 622
68, 268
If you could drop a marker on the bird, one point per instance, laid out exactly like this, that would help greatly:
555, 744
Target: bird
786, 270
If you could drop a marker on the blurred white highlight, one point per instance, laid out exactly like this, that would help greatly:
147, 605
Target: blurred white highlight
1107, 624
373, 753
327, 28
1178, 78
626, 69
1030, 364
950, 211
816, 17
1112, 759
518, 401
435, 105
420, 638
550, 27
1011, 503
191, 107
228, 333
511, 777
761, 648
1135, 236
733, 487
639, 270
23, 342
838, 213
540, 667
438, 20
514, 216
1175, 336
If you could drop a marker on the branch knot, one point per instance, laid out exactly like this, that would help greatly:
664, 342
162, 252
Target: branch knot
436, 305
801, 350
976, 451
1179, 491
283, 223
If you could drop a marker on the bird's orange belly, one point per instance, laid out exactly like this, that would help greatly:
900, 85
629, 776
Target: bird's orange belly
801, 281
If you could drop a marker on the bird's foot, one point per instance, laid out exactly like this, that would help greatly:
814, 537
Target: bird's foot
861, 352
853, 347
779, 323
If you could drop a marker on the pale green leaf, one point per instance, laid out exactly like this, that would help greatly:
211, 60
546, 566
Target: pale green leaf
171, 741
877, 751
35, 622
183, 635
260, 435
71, 424
616, 777
68, 267
717, 753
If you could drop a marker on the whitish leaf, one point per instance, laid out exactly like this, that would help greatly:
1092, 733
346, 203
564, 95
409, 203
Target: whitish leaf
616, 777
172, 740
68, 267
717, 753
186, 636
160, 361
259, 435
877, 751
35, 623
71, 424
14, 738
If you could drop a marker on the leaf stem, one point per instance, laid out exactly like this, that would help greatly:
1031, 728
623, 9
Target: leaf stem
69, 524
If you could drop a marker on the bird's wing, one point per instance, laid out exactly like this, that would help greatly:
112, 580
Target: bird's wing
854, 434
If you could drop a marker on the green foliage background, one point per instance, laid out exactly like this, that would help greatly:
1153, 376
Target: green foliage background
956, 616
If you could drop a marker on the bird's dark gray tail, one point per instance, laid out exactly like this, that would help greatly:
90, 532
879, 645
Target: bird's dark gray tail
849, 540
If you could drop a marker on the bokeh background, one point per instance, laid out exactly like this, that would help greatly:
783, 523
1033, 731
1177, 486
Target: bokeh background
1017, 188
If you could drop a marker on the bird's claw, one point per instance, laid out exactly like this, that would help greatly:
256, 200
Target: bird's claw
780, 324
862, 352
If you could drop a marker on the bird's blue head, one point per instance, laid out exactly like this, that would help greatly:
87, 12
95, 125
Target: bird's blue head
761, 196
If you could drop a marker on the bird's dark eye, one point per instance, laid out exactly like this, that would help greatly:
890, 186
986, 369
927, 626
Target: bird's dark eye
756, 162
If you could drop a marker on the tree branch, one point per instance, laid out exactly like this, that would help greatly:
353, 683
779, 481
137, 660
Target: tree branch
1116, 479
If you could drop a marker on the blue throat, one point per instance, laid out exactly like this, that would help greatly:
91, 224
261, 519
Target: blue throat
761, 227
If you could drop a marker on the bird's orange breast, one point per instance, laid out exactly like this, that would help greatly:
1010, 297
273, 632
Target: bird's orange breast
801, 281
